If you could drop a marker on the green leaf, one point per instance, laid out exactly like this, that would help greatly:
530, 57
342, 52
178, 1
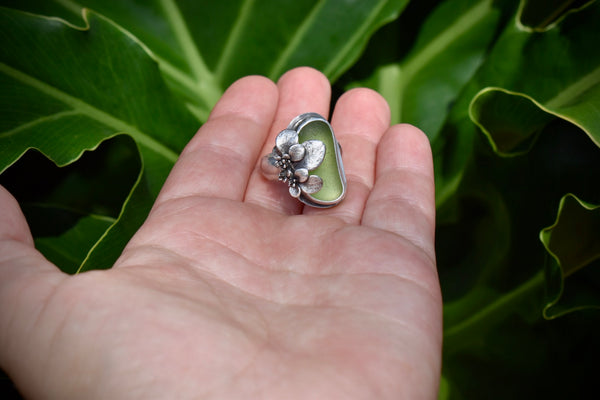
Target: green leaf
491, 263
494, 274
203, 46
528, 360
472, 255
68, 89
431, 87
445, 389
541, 15
97, 183
573, 241
449, 48
70, 249
514, 135
533, 77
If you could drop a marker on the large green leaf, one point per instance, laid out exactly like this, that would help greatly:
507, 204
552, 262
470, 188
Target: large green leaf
489, 254
449, 48
68, 89
70, 249
494, 298
574, 243
527, 360
429, 87
203, 46
495, 275
499, 284
534, 76
541, 15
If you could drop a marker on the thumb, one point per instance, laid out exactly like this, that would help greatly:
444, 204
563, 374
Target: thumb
13, 226
18, 255
26, 279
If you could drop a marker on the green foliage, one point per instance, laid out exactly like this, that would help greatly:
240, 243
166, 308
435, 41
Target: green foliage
96, 104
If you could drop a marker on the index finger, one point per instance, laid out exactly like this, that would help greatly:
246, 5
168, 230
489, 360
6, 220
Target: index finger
217, 162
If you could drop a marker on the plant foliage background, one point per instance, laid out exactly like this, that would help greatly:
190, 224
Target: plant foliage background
97, 98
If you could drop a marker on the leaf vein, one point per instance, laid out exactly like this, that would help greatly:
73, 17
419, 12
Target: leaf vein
201, 74
443, 40
575, 89
91, 111
41, 120
296, 41
233, 39
195, 61
356, 37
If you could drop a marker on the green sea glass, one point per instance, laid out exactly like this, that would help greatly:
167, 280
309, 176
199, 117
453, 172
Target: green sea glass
331, 170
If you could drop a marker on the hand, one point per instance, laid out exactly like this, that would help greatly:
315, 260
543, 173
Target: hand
231, 289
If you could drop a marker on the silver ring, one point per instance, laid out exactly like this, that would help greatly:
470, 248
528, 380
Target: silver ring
308, 158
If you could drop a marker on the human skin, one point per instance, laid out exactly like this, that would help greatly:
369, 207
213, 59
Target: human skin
232, 289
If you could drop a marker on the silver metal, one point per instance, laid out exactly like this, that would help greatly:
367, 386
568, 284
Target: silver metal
292, 162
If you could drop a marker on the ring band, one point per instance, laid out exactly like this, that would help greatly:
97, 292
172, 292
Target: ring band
308, 158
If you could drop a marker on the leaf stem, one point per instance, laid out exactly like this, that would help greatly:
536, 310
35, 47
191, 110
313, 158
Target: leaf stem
492, 313
575, 89
202, 75
182, 33
227, 56
295, 42
352, 41
389, 80
201, 95
445, 38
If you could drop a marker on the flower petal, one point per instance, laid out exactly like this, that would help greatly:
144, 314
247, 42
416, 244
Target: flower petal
297, 152
268, 167
315, 153
313, 184
285, 139
295, 191
301, 174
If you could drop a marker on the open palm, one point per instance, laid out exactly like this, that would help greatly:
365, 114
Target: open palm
231, 289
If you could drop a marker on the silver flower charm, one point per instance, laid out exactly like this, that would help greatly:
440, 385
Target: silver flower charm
307, 144
294, 161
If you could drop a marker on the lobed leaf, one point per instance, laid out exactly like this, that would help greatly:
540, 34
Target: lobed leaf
203, 46
449, 48
574, 243
497, 280
541, 15
70, 249
431, 87
533, 77
68, 89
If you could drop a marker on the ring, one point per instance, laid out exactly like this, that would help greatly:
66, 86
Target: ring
308, 158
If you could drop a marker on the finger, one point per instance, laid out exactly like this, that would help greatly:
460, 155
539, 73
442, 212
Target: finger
21, 266
301, 90
403, 197
220, 157
360, 118
16, 243
13, 226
